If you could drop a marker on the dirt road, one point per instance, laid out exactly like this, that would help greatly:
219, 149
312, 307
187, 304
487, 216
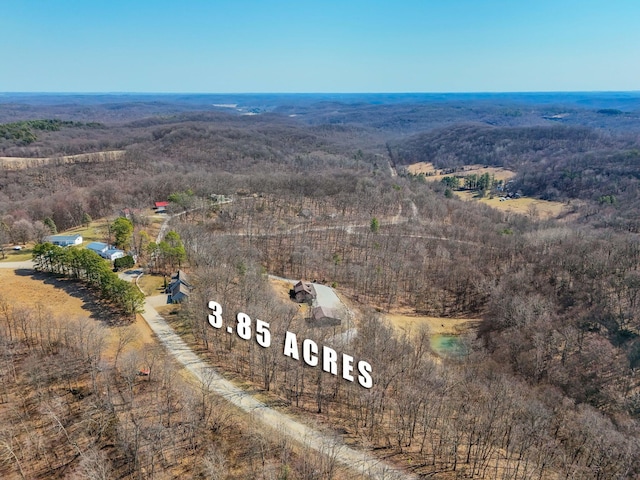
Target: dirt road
361, 462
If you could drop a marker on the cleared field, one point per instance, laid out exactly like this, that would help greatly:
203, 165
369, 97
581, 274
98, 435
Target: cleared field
21, 163
411, 324
21, 288
534, 207
434, 174
66, 300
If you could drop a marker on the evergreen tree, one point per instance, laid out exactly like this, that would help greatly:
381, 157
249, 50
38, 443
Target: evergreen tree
122, 228
51, 224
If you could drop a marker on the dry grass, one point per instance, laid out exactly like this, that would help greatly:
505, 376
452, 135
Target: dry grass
434, 174
541, 209
18, 255
411, 324
21, 163
151, 284
22, 287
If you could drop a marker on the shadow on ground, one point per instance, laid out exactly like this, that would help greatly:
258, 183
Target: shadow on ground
98, 309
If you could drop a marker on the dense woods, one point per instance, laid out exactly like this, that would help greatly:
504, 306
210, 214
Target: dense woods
547, 386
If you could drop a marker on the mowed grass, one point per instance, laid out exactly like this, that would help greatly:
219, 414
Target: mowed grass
96, 231
541, 209
436, 175
412, 324
152, 284
18, 255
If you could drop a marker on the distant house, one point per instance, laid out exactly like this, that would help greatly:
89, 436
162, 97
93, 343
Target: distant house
179, 288
161, 207
325, 316
64, 240
303, 292
98, 247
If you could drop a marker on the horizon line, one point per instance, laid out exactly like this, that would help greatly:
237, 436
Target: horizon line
480, 92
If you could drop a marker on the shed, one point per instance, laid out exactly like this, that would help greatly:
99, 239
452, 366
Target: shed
161, 206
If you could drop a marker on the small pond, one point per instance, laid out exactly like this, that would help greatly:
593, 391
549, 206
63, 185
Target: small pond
448, 345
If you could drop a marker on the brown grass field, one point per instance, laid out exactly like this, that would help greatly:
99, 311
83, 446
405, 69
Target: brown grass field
541, 209
411, 324
21, 163
434, 174
65, 300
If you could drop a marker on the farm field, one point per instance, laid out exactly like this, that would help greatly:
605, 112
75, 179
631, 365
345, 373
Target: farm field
21, 163
542, 209
436, 175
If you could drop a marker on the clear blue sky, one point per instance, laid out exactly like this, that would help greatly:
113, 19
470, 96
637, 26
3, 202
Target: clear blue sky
232, 46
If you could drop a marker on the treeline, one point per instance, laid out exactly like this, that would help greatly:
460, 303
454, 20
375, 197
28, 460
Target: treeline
74, 407
469, 415
24, 132
509, 147
88, 266
553, 163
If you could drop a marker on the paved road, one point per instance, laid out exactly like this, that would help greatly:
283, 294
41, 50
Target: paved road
27, 264
361, 462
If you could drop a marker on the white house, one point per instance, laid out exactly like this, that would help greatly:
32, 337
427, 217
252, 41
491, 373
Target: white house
112, 254
64, 240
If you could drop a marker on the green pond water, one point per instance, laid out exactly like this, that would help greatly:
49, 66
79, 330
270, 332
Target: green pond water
447, 345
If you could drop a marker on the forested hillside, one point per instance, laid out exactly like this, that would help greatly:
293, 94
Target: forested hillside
547, 386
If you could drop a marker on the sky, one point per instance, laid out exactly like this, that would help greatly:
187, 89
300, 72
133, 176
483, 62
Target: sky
252, 46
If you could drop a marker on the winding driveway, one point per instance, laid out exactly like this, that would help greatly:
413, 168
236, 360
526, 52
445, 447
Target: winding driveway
359, 461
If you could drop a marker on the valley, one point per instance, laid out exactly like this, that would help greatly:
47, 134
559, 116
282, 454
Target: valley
498, 312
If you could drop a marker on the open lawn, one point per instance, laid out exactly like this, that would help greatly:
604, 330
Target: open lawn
18, 255
21, 287
96, 231
541, 209
151, 284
